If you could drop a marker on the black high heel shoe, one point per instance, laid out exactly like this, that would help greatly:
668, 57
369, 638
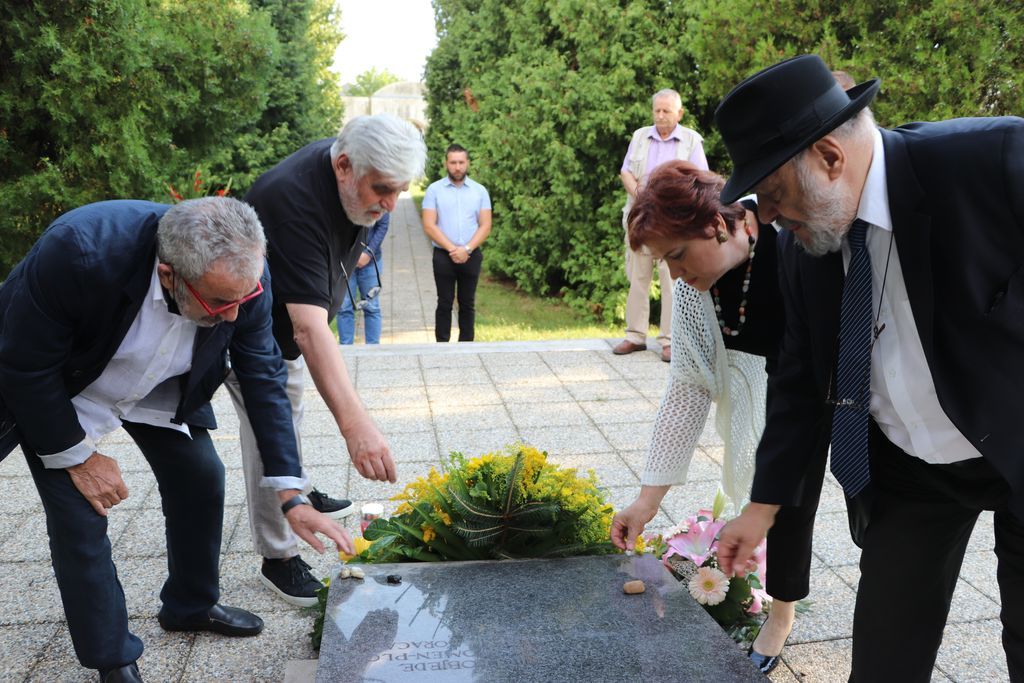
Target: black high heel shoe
764, 663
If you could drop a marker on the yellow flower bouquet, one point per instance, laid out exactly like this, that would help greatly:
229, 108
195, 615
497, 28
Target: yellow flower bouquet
502, 505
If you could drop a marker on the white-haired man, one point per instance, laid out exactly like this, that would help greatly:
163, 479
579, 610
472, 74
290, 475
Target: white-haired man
316, 207
650, 147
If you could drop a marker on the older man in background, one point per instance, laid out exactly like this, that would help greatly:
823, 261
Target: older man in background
650, 147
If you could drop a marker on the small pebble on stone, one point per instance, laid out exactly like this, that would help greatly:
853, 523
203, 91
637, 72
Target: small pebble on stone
633, 587
358, 573
344, 573
394, 578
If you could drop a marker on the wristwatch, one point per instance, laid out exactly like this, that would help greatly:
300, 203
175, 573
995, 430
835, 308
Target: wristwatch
469, 250
297, 499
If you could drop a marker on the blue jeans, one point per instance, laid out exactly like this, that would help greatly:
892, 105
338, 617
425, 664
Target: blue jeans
363, 280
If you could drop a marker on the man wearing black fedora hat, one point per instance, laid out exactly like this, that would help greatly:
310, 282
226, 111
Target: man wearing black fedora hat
901, 271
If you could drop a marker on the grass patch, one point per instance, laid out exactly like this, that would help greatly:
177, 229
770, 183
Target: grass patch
503, 313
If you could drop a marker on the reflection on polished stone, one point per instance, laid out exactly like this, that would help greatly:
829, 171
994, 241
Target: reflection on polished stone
523, 620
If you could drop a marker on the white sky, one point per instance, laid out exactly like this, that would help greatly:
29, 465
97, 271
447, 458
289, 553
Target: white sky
396, 35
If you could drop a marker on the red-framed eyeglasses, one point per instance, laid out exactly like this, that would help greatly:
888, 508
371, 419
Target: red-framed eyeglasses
212, 312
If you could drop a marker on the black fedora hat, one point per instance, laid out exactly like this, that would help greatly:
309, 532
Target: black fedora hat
771, 116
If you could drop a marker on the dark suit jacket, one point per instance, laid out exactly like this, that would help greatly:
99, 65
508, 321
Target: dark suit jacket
66, 307
956, 195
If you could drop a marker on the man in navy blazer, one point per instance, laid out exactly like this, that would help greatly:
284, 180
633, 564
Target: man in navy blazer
122, 315
940, 210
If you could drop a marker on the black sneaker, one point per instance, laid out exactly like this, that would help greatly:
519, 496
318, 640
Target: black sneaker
291, 580
332, 507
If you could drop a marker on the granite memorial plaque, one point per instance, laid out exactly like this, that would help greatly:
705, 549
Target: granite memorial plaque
523, 620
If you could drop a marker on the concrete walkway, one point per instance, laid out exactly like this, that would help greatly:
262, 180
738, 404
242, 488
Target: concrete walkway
585, 406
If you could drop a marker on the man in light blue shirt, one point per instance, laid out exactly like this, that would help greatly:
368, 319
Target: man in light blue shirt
457, 219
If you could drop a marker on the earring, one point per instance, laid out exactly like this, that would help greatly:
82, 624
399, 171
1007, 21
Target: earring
722, 236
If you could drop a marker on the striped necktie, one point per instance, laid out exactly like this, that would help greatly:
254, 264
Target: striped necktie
853, 370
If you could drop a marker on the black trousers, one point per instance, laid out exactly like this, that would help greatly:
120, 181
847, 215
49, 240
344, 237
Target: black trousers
455, 279
190, 477
921, 518
789, 543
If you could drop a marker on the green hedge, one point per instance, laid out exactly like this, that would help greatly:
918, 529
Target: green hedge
545, 93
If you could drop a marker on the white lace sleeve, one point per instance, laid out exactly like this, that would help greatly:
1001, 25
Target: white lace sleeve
691, 387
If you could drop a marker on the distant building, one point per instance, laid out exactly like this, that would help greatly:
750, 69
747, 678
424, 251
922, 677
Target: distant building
404, 99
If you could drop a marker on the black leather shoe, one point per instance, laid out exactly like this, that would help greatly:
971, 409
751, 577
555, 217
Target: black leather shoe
764, 663
227, 621
129, 673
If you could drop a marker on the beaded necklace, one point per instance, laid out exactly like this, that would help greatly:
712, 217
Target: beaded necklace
742, 314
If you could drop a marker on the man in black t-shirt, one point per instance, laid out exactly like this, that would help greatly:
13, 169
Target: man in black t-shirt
315, 207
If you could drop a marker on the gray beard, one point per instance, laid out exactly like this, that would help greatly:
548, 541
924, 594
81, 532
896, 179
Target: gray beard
832, 218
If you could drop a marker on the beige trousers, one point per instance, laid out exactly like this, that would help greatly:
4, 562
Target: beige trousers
640, 272
271, 533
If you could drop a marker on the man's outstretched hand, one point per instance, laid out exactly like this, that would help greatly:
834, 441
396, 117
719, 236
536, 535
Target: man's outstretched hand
740, 537
306, 522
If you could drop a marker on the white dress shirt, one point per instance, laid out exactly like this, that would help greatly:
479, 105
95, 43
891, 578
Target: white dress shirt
158, 346
903, 399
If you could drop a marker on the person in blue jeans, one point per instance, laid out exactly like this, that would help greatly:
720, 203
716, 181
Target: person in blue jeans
365, 282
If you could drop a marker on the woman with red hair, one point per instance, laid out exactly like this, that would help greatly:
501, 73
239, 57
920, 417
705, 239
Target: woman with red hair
727, 325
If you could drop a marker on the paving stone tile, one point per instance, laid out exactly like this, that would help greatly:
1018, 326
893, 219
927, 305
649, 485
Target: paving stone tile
973, 652
146, 534
984, 536
318, 423
821, 662
31, 596
979, 570
474, 442
491, 360
585, 439
684, 500
831, 614
609, 468
413, 447
629, 436
258, 659
333, 479
18, 495
619, 411
10, 523
515, 394
603, 391
379, 491
572, 374
455, 377
832, 541
382, 379
471, 416
537, 374
324, 450
470, 394
163, 659
569, 359
400, 420
462, 361
21, 646
653, 389
393, 397
391, 361
14, 465
548, 414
